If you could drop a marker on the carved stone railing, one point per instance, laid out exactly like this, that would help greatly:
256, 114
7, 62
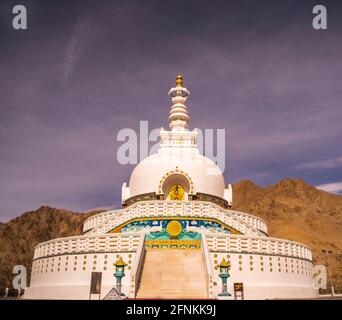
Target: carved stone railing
211, 198
155, 208
208, 267
257, 245
199, 209
141, 197
99, 218
254, 221
137, 267
112, 242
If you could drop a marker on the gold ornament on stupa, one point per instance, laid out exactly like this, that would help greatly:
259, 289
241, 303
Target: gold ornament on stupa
174, 228
176, 193
224, 264
179, 80
120, 263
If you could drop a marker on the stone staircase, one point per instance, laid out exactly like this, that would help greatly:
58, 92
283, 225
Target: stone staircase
173, 274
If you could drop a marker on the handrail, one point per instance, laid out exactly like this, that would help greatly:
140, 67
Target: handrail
90, 222
208, 267
259, 245
178, 208
137, 267
94, 221
87, 243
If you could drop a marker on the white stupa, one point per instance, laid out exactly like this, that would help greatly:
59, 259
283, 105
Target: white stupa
175, 237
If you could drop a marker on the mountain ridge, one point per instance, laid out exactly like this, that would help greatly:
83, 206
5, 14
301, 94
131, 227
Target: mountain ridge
293, 210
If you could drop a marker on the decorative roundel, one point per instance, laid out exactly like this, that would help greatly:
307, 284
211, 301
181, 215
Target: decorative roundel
174, 228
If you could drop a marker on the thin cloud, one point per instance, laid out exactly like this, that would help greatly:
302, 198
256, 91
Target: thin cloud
324, 164
74, 47
331, 187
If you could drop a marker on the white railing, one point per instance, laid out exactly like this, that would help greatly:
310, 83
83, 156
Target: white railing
156, 207
98, 218
257, 245
137, 267
208, 267
113, 242
254, 221
150, 209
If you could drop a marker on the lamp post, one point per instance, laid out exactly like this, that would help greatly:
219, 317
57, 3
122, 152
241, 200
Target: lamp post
327, 252
224, 275
119, 273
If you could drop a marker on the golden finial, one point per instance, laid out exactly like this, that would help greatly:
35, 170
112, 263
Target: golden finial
179, 80
224, 263
120, 263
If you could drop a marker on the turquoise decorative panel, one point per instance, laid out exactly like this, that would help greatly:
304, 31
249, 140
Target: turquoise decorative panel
149, 223
163, 235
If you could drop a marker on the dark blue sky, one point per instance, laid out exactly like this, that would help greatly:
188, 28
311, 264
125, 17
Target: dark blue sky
86, 69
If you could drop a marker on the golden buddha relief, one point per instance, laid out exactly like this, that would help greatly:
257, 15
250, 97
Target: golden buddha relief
176, 193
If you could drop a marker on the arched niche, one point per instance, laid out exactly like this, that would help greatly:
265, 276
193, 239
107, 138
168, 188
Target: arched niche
174, 179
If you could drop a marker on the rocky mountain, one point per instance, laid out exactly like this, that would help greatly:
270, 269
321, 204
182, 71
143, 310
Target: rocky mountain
19, 236
298, 211
293, 210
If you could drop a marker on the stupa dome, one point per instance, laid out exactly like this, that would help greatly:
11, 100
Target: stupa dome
177, 170
186, 167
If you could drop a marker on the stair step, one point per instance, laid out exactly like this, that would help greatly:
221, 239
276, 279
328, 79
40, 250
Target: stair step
173, 274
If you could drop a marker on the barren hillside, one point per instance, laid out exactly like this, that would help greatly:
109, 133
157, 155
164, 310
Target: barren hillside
293, 210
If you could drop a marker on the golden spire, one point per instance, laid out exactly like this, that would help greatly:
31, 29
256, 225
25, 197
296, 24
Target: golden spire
179, 80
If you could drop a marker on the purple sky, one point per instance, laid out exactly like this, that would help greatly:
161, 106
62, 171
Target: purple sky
84, 70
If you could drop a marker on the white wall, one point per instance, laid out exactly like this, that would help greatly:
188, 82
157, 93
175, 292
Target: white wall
49, 283
285, 278
55, 277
